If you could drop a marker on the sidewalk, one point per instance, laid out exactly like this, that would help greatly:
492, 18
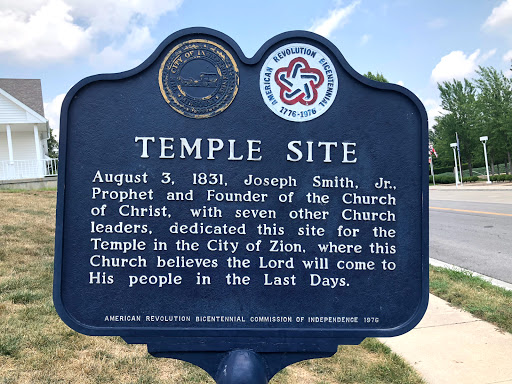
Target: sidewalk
479, 186
481, 192
451, 346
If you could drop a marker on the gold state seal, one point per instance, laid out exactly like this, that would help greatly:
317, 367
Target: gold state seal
199, 78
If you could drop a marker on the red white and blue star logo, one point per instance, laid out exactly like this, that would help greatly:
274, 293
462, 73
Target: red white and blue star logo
298, 82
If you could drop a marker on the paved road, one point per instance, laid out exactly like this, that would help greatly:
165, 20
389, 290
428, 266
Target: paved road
470, 231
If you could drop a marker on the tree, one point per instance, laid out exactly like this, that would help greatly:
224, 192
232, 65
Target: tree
378, 77
53, 146
459, 99
495, 107
441, 137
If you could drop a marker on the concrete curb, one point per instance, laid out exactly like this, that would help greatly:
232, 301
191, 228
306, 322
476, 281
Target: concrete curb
483, 187
472, 189
46, 182
493, 281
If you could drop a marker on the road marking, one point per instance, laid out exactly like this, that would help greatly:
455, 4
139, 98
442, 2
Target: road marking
466, 210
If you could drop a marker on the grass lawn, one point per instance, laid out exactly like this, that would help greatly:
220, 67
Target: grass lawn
474, 295
36, 347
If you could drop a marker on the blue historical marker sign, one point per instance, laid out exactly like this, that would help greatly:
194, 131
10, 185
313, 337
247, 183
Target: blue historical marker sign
210, 202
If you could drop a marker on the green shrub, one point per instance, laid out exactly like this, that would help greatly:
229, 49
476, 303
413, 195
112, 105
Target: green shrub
445, 179
500, 178
443, 169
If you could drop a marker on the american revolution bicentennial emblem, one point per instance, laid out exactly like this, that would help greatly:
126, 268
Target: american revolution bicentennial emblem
298, 82
199, 78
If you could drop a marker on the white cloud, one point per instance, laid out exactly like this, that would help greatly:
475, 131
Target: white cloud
400, 82
487, 55
337, 18
429, 103
46, 31
437, 23
115, 16
52, 113
365, 38
116, 57
25, 6
138, 39
500, 17
457, 65
508, 58
110, 58
48, 34
434, 110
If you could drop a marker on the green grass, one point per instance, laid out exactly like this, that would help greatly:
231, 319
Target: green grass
371, 362
36, 347
480, 171
35, 190
474, 295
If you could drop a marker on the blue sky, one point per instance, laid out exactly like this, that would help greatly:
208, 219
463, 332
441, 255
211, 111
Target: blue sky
415, 43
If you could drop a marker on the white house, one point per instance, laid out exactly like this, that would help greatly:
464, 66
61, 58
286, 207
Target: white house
24, 131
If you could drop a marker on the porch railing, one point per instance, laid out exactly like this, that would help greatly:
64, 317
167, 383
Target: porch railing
28, 169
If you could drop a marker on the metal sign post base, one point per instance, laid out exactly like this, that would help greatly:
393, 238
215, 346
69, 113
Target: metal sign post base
242, 367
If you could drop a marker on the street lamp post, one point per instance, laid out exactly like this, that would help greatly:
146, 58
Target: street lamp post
454, 145
484, 139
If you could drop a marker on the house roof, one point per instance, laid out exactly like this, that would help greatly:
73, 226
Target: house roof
13, 111
28, 91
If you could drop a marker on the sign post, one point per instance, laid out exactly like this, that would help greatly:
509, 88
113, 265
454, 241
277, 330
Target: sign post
455, 145
484, 139
241, 213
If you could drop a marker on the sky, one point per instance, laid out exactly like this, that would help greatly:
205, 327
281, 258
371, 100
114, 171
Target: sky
414, 43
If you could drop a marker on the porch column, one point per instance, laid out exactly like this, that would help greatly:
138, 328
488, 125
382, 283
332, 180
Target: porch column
37, 142
9, 144
39, 162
